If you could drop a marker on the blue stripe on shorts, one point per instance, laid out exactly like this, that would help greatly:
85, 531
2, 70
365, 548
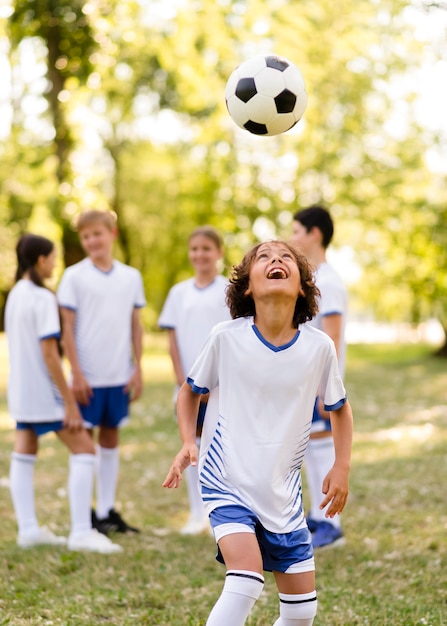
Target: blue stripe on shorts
41, 428
279, 550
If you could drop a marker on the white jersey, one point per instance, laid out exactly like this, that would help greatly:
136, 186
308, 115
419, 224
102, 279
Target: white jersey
104, 304
259, 415
333, 300
192, 312
31, 315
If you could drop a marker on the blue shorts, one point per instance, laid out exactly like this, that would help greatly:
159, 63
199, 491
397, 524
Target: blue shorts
41, 428
281, 552
319, 424
109, 406
201, 414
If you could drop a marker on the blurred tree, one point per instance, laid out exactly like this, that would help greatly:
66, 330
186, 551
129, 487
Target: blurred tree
138, 123
63, 28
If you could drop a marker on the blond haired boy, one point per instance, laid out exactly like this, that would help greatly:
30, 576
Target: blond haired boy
100, 300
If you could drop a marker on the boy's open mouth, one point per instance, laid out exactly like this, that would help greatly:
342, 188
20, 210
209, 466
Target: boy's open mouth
277, 273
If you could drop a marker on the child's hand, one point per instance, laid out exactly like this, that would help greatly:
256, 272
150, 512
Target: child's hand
81, 389
73, 419
187, 456
335, 486
135, 385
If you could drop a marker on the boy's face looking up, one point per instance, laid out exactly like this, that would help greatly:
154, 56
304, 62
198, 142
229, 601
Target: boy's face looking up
97, 241
274, 270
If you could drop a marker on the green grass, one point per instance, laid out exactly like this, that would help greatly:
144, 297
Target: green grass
392, 571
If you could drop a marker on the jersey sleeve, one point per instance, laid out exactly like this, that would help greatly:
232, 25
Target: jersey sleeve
66, 293
169, 315
47, 316
332, 390
140, 299
332, 300
203, 376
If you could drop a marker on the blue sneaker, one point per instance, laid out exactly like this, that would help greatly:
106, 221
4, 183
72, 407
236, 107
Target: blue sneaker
327, 535
311, 524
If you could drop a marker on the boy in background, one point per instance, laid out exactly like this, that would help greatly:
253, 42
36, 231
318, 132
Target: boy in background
313, 229
100, 300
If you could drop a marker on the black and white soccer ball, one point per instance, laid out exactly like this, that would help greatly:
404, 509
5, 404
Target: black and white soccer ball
266, 95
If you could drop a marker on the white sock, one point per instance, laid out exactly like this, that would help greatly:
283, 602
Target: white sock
319, 459
21, 478
297, 610
106, 480
80, 491
196, 507
241, 590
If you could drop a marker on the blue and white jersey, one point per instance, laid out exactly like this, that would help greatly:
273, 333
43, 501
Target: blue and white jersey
104, 304
259, 415
31, 315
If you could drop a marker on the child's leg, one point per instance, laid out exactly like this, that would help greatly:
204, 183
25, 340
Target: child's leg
21, 479
244, 581
297, 599
319, 459
196, 509
198, 519
107, 471
80, 478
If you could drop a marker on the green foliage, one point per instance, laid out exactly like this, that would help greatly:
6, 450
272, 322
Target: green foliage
137, 121
65, 26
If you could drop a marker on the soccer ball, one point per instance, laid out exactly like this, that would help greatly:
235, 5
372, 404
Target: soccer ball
266, 95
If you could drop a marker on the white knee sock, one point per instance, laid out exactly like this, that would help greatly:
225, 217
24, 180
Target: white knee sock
21, 478
319, 459
241, 590
297, 610
196, 507
106, 480
80, 491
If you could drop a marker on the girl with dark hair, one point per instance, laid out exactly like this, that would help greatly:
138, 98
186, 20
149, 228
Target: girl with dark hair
263, 370
40, 401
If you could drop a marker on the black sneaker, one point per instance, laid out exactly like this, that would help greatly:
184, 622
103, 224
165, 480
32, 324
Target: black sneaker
116, 523
99, 524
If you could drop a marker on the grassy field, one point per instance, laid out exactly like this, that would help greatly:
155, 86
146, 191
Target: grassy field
392, 571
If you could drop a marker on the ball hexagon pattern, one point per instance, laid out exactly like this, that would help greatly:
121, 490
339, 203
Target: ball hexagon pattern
266, 95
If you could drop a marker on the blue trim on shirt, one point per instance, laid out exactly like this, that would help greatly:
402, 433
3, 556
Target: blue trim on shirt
100, 268
163, 327
270, 345
196, 286
336, 406
332, 313
198, 390
52, 336
66, 306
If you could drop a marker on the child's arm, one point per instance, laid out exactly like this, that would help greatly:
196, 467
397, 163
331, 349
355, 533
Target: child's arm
81, 388
336, 483
135, 385
175, 357
73, 419
187, 409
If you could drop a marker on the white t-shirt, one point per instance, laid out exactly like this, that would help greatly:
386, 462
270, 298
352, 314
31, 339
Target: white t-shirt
31, 315
258, 419
104, 303
333, 300
192, 312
